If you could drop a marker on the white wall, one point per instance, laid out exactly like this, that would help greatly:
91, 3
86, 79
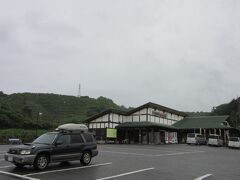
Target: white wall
115, 119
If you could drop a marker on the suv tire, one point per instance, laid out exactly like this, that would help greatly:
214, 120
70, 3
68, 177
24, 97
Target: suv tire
41, 162
86, 158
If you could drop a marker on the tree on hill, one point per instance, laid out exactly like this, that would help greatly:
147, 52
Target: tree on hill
232, 109
22, 109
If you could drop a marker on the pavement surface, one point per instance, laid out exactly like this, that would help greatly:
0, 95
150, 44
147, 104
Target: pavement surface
141, 162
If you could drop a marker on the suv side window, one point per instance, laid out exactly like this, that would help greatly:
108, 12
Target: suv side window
65, 139
88, 137
76, 138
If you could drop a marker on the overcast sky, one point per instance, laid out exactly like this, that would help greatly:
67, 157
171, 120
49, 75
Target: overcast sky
184, 54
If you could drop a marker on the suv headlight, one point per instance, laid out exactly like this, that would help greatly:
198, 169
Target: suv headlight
24, 152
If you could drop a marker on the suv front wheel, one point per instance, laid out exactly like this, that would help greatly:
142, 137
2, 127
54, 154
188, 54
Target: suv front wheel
41, 162
86, 158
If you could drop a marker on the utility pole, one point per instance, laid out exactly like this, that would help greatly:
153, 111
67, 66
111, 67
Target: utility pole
38, 115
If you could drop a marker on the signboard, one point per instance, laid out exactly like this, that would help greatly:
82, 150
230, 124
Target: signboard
171, 137
159, 114
111, 133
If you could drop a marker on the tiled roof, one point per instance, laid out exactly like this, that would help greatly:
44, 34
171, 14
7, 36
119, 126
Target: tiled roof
208, 122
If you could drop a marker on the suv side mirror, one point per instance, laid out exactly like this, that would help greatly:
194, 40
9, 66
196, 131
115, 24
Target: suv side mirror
59, 143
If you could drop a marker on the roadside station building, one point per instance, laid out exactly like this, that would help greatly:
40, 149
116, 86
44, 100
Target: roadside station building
148, 124
153, 124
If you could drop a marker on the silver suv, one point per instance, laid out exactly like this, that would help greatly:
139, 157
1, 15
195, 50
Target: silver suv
194, 138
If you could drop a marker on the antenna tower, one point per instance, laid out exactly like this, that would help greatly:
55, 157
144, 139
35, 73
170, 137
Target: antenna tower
79, 90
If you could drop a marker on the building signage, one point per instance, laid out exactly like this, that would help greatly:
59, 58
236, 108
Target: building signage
159, 114
111, 133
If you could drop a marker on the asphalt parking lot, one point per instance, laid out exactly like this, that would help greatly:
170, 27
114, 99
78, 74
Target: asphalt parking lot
153, 162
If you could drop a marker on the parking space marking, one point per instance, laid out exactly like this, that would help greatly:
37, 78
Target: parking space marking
203, 177
125, 174
153, 155
68, 169
17, 175
156, 148
180, 153
147, 149
2, 167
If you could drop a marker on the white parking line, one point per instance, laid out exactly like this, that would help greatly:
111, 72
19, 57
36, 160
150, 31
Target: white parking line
148, 149
125, 174
153, 155
68, 169
2, 167
157, 147
180, 153
17, 175
202, 177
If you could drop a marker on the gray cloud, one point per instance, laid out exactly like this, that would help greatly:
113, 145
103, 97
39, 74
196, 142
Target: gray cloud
182, 54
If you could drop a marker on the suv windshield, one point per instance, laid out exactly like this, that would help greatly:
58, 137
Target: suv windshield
235, 139
46, 138
191, 135
213, 137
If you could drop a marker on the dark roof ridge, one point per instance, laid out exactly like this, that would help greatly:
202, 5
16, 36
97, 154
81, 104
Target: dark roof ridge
164, 108
127, 113
104, 112
207, 116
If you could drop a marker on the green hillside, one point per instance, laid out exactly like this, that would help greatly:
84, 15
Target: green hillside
21, 110
232, 109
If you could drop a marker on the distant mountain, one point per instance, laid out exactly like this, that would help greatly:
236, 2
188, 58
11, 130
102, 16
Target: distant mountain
26, 110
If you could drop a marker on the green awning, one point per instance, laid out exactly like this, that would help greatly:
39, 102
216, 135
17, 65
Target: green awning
206, 122
143, 124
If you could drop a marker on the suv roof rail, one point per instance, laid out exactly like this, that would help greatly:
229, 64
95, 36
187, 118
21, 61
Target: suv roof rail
71, 127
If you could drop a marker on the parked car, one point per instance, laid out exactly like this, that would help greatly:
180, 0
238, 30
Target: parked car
215, 140
194, 138
69, 142
15, 141
234, 142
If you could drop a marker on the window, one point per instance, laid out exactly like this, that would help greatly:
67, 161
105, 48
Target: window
235, 139
98, 125
76, 138
191, 135
88, 137
106, 125
65, 139
46, 138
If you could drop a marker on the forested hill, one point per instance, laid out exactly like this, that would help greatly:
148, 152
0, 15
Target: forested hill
232, 109
21, 110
